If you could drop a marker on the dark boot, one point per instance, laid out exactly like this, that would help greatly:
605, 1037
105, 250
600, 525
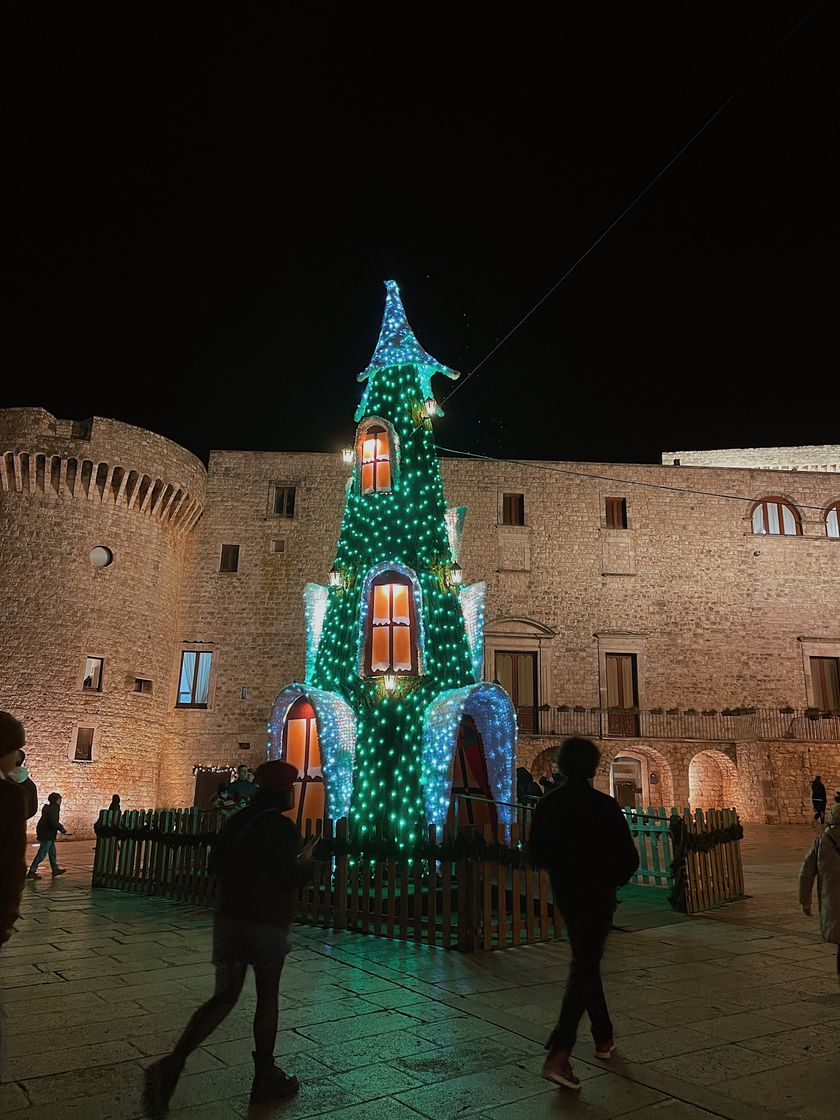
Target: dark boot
270, 1082
160, 1081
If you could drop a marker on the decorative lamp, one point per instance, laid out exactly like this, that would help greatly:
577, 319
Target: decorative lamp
430, 407
335, 577
390, 681
347, 456
456, 574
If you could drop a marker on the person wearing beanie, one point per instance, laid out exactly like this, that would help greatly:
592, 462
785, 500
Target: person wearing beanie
12, 825
259, 862
581, 837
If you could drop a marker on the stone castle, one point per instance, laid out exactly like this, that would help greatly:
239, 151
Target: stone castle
683, 614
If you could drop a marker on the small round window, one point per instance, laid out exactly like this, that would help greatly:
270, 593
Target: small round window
101, 556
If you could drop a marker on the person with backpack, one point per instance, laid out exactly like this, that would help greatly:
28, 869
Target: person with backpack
47, 830
823, 864
259, 863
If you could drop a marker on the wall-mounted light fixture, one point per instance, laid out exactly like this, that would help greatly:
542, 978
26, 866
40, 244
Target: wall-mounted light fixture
347, 456
390, 681
456, 574
335, 577
430, 407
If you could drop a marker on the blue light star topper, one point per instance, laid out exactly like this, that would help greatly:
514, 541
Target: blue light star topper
397, 346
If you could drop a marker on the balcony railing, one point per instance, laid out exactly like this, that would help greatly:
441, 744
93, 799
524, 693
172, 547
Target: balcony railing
728, 725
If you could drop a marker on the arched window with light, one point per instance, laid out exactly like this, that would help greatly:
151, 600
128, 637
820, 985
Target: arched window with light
391, 645
302, 749
832, 521
376, 456
776, 517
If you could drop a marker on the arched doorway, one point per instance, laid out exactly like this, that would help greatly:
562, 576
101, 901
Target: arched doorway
302, 749
713, 782
641, 776
470, 781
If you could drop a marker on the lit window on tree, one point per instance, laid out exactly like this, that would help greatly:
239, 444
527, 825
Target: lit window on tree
375, 460
392, 647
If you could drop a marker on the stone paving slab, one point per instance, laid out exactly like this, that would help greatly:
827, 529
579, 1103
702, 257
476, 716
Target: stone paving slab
733, 1014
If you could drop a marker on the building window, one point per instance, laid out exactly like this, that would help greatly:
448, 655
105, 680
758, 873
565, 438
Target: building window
244, 746
302, 749
392, 640
513, 509
83, 750
375, 460
278, 545
142, 685
194, 680
776, 517
92, 680
229, 561
284, 501
832, 527
825, 677
615, 510
517, 674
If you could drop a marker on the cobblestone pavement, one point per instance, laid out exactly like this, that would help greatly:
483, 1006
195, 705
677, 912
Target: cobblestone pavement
734, 1014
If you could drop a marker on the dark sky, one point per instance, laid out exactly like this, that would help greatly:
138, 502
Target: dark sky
199, 219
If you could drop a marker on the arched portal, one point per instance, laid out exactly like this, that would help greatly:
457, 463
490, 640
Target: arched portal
713, 782
302, 749
471, 798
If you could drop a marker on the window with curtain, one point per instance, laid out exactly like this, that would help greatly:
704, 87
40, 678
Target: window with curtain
832, 527
615, 511
392, 635
776, 517
194, 679
825, 677
375, 460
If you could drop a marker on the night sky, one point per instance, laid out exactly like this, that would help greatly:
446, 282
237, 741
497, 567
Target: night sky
199, 219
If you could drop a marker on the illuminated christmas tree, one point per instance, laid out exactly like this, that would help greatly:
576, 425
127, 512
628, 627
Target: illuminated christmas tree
393, 699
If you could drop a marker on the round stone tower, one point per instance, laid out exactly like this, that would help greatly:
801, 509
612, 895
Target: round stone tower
96, 521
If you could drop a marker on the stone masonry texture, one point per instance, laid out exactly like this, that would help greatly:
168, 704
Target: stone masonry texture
717, 617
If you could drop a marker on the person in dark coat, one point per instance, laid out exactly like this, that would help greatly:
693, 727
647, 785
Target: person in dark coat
47, 830
581, 837
259, 863
243, 788
819, 799
12, 826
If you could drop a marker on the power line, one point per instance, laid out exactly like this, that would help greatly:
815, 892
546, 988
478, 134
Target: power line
533, 464
638, 198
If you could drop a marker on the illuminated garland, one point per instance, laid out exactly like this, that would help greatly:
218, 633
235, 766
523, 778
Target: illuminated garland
472, 608
315, 600
455, 528
397, 346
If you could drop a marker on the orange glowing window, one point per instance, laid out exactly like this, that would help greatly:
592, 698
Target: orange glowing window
392, 645
375, 460
302, 749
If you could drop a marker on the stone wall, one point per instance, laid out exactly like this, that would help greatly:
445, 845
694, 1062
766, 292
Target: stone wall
715, 616
815, 457
65, 490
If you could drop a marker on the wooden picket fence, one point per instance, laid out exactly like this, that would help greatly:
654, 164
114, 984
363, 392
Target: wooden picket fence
470, 902
466, 903
713, 871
